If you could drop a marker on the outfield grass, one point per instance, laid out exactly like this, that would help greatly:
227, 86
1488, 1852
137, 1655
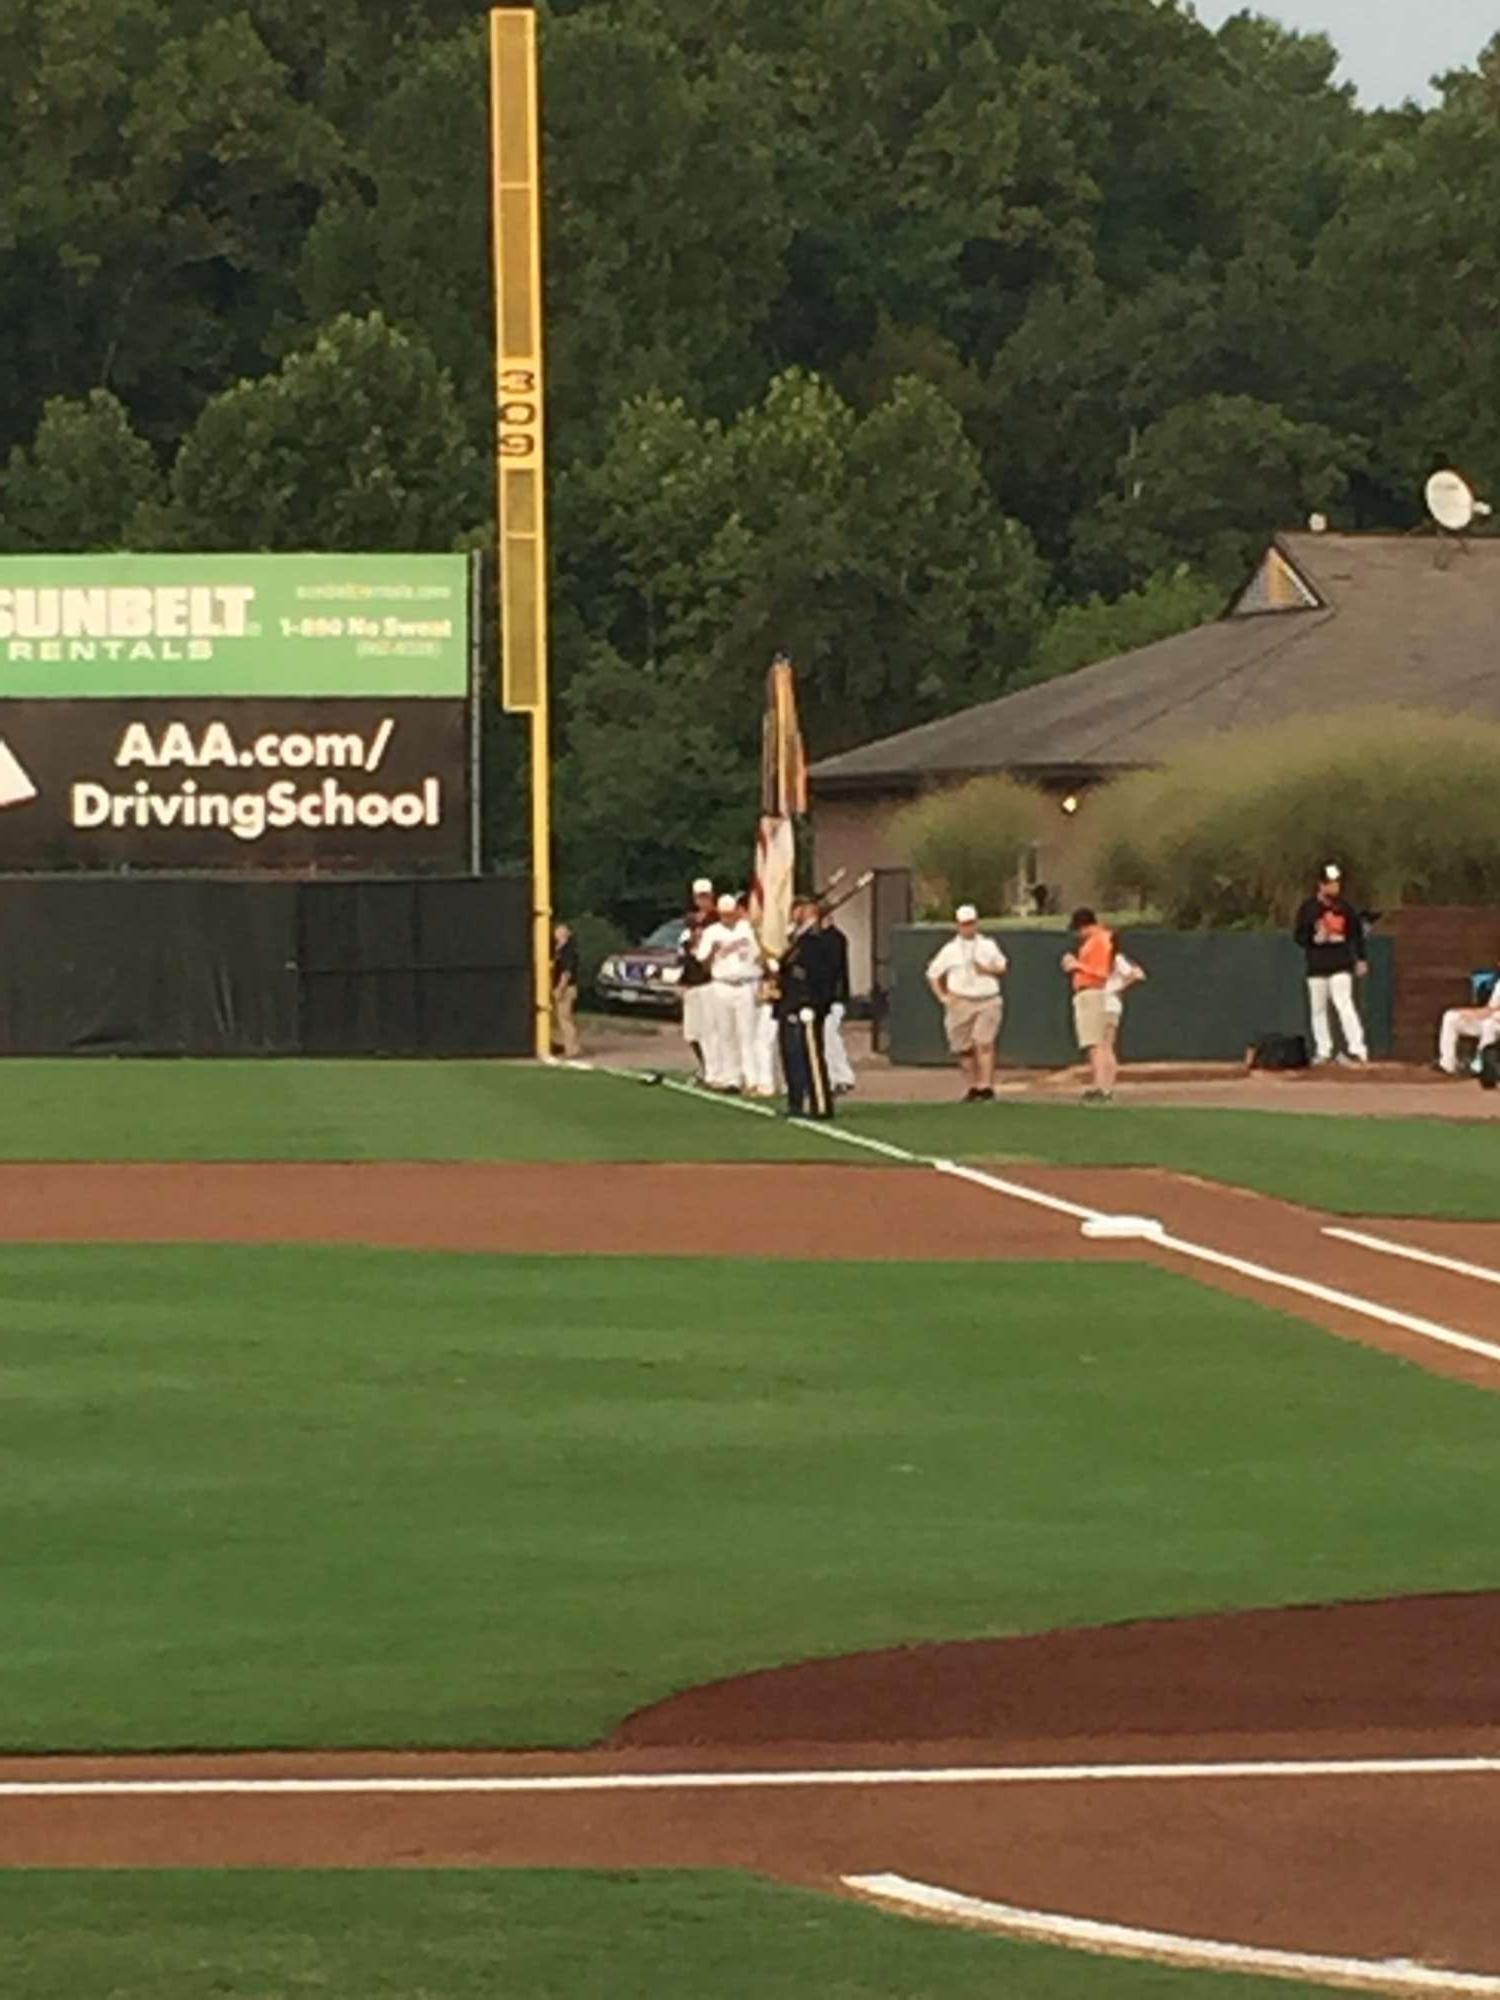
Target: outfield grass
459, 1935
124, 1110
319, 1497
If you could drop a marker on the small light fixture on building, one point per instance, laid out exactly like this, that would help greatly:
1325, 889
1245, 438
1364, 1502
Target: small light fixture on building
1070, 804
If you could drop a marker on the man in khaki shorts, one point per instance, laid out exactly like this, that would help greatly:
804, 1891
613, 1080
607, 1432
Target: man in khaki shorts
965, 976
1089, 966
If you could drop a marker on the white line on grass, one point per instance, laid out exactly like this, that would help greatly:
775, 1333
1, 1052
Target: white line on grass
1169, 1947
1328, 1295
1383, 1244
740, 1781
1262, 1274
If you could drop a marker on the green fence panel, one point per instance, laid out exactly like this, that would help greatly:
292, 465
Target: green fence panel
1209, 995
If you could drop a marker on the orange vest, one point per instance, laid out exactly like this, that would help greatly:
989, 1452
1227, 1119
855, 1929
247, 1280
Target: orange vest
1096, 957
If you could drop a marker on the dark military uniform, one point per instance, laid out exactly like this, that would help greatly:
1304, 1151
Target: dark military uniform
809, 984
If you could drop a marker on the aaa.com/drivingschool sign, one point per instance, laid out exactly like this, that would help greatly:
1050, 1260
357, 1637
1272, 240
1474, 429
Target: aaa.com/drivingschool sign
245, 712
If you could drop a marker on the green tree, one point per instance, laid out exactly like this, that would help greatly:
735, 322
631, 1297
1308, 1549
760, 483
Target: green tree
354, 443
81, 483
1102, 628
866, 548
411, 238
154, 189
1208, 485
1409, 288
654, 791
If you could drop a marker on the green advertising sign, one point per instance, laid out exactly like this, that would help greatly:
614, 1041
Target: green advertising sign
80, 628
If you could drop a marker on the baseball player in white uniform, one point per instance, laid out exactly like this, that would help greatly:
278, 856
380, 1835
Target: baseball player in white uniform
731, 951
1477, 1024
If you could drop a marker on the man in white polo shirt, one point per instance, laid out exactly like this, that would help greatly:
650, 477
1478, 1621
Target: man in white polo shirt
731, 951
965, 976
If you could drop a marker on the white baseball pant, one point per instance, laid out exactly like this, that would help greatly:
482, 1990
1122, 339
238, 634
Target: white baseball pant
734, 1060
1481, 1023
1336, 988
840, 1069
697, 1019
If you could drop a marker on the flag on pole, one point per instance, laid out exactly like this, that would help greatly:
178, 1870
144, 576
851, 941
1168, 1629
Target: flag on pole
783, 765
772, 884
783, 793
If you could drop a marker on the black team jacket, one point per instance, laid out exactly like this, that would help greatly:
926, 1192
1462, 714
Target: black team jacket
1332, 934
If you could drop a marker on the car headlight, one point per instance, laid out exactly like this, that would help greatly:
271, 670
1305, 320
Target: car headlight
671, 974
610, 969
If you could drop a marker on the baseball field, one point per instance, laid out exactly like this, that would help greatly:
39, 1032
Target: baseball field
491, 1529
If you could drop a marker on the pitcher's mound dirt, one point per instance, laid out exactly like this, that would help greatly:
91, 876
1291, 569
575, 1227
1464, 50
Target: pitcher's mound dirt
1424, 1664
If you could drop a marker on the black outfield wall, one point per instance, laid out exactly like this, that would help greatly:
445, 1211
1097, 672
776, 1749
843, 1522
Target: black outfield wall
191, 965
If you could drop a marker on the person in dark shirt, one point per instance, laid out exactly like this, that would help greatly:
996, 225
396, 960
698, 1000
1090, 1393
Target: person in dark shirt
564, 991
1331, 933
694, 977
808, 984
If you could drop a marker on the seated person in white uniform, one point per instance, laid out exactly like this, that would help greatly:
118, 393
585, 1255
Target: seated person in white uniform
1477, 1024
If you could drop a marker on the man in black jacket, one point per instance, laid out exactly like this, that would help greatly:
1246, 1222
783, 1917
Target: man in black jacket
808, 982
1331, 933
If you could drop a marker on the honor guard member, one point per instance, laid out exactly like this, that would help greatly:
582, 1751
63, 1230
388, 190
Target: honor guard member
695, 976
840, 1069
809, 984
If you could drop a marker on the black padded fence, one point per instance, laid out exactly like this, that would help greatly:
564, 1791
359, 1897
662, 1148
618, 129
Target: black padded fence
173, 965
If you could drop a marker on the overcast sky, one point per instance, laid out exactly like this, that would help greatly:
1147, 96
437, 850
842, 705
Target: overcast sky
1390, 47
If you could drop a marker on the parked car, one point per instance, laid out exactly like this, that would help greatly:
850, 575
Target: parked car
645, 977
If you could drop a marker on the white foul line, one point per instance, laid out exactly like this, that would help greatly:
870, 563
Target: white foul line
1126, 1940
737, 1781
1328, 1295
1262, 1274
1409, 1250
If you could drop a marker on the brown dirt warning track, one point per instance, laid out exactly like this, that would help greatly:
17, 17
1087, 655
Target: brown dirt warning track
1080, 1772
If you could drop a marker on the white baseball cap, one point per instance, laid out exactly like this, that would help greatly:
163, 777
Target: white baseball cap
966, 914
703, 887
729, 902
1333, 872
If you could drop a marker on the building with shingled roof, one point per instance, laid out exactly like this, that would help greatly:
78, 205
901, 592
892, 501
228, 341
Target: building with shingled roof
1327, 624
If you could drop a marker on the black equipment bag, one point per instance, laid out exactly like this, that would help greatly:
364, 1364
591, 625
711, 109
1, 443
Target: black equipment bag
1280, 1052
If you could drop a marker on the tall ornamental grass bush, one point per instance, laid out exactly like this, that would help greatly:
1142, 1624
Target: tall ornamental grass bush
1235, 830
969, 845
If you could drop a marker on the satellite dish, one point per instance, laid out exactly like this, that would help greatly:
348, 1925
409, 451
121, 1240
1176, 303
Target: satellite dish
1450, 501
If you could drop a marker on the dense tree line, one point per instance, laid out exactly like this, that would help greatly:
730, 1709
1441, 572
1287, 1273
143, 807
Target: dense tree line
944, 343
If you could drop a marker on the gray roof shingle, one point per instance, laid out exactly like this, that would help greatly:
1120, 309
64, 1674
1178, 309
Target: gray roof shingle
1404, 622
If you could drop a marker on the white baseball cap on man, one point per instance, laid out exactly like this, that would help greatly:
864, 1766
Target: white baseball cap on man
703, 887
728, 905
966, 914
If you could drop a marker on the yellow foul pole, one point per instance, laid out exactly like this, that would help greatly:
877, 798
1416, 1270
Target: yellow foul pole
520, 443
